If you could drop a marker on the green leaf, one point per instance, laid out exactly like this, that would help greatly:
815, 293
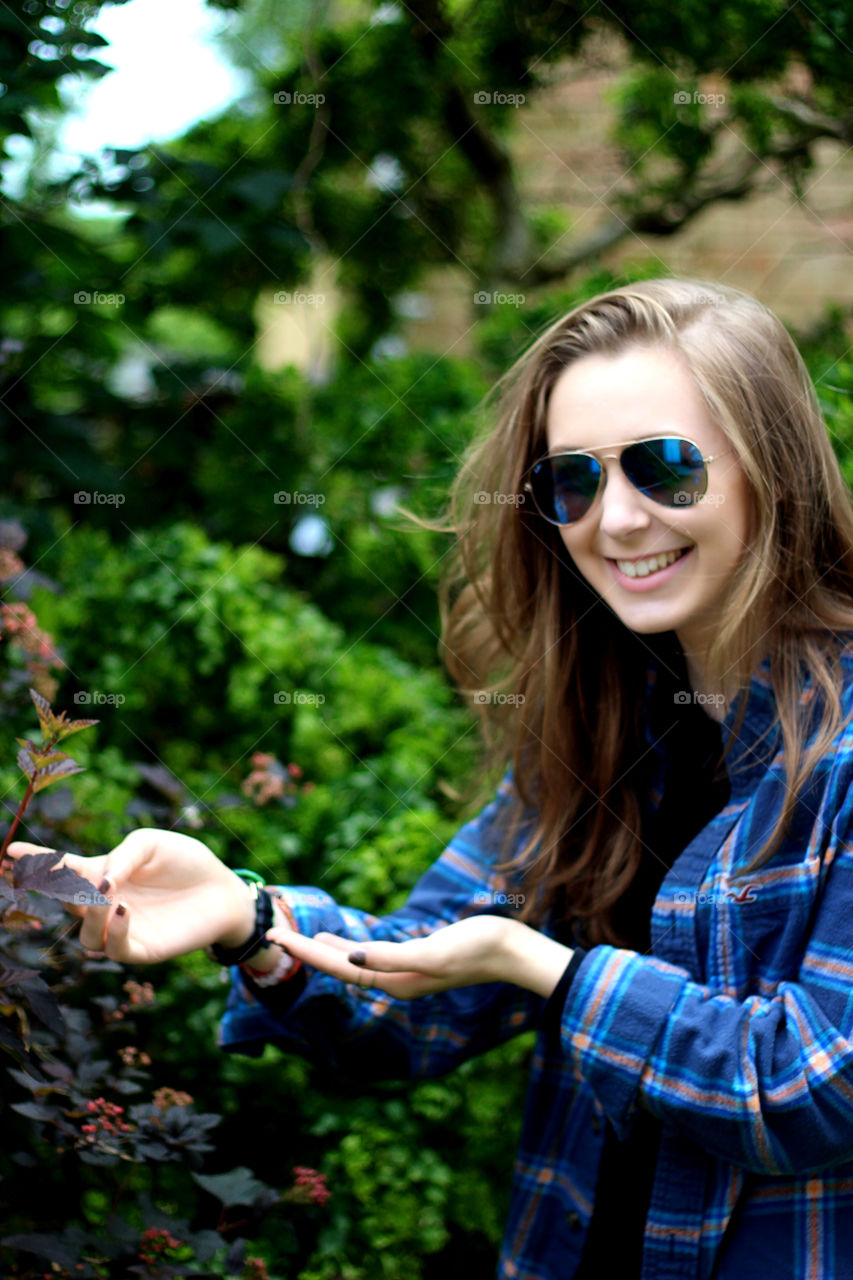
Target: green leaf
54, 772
65, 728
47, 720
41, 758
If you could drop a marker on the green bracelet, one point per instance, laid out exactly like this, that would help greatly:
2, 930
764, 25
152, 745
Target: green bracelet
251, 877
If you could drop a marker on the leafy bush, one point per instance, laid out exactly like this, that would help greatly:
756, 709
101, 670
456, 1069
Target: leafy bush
131, 1142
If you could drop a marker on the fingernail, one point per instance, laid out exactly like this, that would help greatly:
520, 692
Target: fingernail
358, 957
121, 909
104, 885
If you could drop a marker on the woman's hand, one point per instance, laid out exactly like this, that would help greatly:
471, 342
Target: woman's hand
481, 948
168, 894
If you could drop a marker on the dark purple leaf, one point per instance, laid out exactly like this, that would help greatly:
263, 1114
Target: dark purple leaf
35, 1111
57, 805
39, 873
240, 1186
54, 1248
159, 777
44, 1004
8, 977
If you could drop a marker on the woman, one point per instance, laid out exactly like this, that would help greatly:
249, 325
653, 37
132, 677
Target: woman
652, 605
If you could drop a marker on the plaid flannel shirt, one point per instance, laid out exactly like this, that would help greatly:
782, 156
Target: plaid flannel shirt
736, 1031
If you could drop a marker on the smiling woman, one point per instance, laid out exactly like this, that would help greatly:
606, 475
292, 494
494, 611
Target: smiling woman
661, 645
649, 394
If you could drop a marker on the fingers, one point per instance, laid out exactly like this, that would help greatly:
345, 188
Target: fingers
116, 869
394, 957
105, 926
96, 919
18, 848
116, 943
328, 952
344, 945
325, 951
383, 957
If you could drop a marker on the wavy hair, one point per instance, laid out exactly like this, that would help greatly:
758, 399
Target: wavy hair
519, 620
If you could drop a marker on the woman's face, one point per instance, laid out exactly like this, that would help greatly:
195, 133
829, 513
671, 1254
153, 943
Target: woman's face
642, 392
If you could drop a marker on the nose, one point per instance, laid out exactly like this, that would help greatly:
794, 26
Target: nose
623, 510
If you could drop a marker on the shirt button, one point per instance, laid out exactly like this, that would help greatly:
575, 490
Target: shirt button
573, 1220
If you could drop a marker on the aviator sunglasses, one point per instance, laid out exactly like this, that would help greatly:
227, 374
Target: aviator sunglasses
667, 469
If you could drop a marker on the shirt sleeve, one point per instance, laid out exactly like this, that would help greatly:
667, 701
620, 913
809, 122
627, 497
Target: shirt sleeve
369, 1033
553, 1011
765, 1081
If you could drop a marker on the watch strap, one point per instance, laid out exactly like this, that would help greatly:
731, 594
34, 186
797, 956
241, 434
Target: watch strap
263, 921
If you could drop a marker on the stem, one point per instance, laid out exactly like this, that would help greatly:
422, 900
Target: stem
17, 818
47, 745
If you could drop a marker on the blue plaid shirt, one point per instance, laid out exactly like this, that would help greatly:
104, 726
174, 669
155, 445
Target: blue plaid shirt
736, 1031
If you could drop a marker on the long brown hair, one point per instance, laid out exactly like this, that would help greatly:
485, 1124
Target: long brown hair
558, 679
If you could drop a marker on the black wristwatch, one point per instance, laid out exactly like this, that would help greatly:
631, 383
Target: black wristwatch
263, 921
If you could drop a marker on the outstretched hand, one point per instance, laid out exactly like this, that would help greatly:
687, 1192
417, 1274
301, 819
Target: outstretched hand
167, 894
483, 948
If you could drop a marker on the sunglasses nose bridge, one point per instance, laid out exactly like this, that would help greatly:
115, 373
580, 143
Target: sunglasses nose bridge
622, 505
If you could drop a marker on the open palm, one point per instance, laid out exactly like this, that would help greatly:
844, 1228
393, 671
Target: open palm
168, 895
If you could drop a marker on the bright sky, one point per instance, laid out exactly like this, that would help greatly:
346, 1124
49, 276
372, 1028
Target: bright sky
160, 85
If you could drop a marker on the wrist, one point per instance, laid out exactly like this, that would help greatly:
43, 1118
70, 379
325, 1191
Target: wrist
273, 963
263, 920
268, 956
243, 916
533, 960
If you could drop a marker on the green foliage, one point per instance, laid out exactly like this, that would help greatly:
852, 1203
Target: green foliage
208, 646
371, 824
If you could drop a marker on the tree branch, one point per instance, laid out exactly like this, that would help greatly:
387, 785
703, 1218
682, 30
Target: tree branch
479, 144
665, 217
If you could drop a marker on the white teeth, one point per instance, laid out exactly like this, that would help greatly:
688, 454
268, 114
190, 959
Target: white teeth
642, 568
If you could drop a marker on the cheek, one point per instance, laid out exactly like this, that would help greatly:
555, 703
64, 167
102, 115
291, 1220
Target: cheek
575, 546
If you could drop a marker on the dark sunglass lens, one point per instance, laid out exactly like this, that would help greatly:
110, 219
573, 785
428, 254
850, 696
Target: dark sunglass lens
564, 487
669, 471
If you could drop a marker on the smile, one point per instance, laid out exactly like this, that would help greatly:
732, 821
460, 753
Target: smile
652, 564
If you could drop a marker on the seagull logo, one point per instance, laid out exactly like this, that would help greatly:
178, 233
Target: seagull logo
745, 895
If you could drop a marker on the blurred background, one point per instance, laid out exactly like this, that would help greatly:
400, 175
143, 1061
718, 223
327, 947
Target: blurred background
261, 262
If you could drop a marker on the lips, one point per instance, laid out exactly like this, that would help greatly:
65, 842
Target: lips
645, 566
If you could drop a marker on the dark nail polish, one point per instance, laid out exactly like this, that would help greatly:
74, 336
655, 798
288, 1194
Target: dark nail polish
358, 957
121, 909
104, 885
